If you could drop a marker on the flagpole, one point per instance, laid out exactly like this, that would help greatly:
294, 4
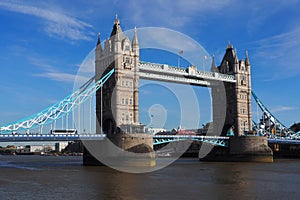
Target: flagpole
204, 58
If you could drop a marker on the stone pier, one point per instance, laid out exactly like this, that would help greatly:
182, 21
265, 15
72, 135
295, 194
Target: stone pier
121, 150
242, 149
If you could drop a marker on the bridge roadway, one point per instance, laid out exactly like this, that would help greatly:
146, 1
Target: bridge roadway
49, 137
158, 139
73, 137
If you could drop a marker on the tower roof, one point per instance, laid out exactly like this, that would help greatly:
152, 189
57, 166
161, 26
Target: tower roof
230, 56
117, 30
213, 67
117, 21
98, 41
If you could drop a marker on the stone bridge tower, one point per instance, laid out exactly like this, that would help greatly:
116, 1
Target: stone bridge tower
238, 95
234, 100
117, 104
120, 94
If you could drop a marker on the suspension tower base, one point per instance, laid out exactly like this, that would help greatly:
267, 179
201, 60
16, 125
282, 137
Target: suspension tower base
242, 149
120, 151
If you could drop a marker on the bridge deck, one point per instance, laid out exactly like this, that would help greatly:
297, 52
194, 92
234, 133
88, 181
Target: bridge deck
49, 137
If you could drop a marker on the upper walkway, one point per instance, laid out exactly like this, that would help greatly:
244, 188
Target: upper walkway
163, 72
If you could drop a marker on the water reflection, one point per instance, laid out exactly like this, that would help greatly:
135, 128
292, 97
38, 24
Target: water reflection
66, 178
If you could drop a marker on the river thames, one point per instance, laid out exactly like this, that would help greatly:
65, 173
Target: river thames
49, 177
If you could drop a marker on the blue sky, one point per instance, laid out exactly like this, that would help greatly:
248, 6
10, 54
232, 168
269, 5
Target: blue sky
44, 42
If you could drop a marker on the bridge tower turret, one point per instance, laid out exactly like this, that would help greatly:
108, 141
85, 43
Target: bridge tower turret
120, 95
135, 61
238, 95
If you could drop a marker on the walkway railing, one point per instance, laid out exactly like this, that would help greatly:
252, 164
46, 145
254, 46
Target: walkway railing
163, 69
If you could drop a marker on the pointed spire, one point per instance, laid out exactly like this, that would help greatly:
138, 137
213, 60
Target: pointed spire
116, 28
229, 46
135, 39
247, 62
135, 43
98, 48
98, 41
236, 60
213, 67
117, 21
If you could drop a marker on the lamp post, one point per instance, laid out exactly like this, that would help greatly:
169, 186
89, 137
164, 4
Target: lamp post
179, 53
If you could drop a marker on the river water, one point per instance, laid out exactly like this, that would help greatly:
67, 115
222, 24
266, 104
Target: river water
49, 177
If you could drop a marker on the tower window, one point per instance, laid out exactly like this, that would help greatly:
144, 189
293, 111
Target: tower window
243, 80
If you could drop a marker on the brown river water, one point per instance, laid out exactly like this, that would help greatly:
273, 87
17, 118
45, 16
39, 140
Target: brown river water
49, 177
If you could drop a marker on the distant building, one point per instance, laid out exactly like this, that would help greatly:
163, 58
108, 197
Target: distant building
38, 148
155, 130
59, 146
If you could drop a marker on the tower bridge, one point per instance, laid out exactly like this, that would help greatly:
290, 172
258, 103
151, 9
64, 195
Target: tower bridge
230, 83
117, 105
118, 69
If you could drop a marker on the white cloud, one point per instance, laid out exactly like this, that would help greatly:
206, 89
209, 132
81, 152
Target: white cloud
51, 72
260, 12
282, 53
60, 76
282, 109
56, 23
172, 42
171, 13
51, 101
285, 40
43, 65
